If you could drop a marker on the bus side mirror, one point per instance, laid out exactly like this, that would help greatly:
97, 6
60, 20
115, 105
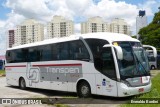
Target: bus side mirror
118, 50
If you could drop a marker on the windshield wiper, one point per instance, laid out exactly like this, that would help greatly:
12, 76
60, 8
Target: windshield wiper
139, 62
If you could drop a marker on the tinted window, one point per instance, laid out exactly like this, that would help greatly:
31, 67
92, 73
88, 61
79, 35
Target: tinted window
32, 54
108, 66
60, 51
96, 45
72, 50
78, 51
63, 51
55, 51
8, 57
44, 53
16, 56
151, 58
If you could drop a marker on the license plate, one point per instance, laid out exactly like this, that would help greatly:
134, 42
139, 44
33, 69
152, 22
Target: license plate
141, 90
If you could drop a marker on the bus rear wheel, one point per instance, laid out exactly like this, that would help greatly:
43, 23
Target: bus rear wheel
84, 90
22, 83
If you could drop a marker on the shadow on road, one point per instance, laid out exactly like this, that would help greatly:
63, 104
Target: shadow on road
49, 93
95, 99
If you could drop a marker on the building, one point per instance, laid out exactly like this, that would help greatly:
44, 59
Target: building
60, 27
10, 38
141, 21
94, 24
28, 32
120, 26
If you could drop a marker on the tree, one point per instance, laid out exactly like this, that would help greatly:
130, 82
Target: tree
150, 35
134, 36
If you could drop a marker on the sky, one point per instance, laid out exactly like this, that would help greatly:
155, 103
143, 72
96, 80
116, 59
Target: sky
14, 12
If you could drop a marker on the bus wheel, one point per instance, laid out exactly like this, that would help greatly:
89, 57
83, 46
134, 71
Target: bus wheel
22, 83
152, 67
84, 90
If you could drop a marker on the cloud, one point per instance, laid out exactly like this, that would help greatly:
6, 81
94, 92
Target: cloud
29, 8
13, 20
2, 41
148, 6
2, 23
78, 11
109, 9
78, 7
43, 10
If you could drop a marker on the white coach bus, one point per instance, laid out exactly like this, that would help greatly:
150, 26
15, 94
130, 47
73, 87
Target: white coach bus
152, 55
108, 64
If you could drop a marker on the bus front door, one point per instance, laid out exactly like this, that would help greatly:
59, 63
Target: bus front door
108, 76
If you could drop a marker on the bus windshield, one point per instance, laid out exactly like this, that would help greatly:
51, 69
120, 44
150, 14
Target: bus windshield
135, 61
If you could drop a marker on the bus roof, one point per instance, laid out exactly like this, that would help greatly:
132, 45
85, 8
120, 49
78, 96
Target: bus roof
154, 50
110, 37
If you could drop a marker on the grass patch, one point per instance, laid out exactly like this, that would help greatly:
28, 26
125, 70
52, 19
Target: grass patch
2, 72
154, 93
61, 105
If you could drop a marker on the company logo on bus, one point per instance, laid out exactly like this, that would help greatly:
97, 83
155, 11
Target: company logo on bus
63, 70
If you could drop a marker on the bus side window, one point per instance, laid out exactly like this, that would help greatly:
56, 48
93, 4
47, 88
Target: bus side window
63, 51
8, 57
78, 51
44, 53
96, 46
18, 55
55, 50
32, 55
60, 51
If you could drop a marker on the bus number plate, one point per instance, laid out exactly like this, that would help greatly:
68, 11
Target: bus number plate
141, 90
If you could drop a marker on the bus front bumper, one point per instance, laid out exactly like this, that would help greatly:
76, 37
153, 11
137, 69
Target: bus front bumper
124, 90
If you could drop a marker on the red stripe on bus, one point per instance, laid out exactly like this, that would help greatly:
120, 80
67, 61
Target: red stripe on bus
59, 65
141, 80
17, 66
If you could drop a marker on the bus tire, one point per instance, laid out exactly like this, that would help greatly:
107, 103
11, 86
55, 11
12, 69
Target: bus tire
22, 83
152, 67
84, 90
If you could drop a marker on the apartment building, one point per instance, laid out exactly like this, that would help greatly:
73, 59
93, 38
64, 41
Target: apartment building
28, 32
11, 34
120, 26
94, 24
59, 27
